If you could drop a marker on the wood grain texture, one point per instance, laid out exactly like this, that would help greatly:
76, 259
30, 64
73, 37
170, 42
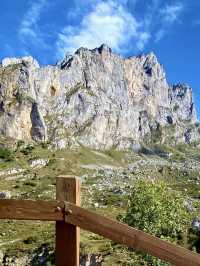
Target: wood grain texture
126, 235
67, 235
31, 210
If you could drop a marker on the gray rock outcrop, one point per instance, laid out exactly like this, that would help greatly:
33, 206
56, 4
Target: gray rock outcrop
95, 98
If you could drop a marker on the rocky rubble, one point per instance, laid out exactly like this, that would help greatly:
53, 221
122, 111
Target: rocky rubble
43, 257
95, 98
91, 260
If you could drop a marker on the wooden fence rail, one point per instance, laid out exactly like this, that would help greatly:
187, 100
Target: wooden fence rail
69, 217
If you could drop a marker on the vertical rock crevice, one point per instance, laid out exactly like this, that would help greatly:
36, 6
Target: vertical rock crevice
38, 130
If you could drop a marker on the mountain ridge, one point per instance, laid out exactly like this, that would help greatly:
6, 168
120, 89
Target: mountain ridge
95, 98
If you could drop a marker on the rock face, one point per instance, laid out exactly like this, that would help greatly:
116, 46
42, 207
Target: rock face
95, 98
91, 260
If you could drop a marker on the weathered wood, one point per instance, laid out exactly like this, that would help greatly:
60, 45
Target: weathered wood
31, 210
67, 238
67, 235
126, 235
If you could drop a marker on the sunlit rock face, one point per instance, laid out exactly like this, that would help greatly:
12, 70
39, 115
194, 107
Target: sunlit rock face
95, 98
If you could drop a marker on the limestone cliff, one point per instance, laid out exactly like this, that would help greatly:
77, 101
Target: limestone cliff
95, 98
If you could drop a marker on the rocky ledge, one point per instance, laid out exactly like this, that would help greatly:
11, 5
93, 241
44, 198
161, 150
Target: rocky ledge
95, 98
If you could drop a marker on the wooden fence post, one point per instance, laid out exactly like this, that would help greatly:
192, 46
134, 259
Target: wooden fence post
67, 235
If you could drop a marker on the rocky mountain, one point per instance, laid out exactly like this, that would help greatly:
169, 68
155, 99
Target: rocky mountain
95, 98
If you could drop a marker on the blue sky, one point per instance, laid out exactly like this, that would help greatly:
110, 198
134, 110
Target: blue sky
48, 29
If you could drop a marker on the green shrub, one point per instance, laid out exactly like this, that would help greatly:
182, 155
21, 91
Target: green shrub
44, 145
20, 143
6, 154
30, 240
155, 209
30, 183
27, 150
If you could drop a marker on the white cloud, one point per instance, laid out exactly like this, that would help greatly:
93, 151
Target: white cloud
108, 23
142, 40
99, 21
168, 16
171, 12
160, 34
29, 28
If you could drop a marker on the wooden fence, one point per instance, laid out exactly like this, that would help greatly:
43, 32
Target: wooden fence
69, 217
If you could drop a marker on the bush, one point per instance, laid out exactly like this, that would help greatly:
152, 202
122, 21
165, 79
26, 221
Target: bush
30, 240
27, 150
6, 154
45, 144
20, 143
30, 183
155, 209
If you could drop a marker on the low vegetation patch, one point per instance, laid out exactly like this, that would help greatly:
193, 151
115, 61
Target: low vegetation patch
6, 154
155, 209
111, 181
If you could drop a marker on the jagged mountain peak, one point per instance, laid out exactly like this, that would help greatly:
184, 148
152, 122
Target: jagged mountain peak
27, 60
97, 98
99, 49
151, 59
